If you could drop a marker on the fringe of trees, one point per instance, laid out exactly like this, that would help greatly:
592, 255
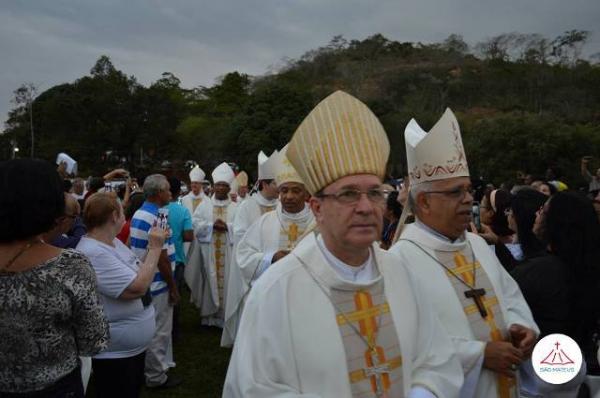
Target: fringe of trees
524, 102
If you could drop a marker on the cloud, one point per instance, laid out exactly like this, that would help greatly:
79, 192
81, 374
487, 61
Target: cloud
49, 43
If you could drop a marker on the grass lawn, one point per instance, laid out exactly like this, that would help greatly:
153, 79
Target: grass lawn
201, 361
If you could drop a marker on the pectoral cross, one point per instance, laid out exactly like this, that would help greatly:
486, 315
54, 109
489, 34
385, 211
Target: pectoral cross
476, 295
377, 371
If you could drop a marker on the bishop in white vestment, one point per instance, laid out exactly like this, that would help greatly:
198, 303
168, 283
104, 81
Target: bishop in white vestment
262, 201
479, 304
338, 316
267, 240
207, 269
194, 197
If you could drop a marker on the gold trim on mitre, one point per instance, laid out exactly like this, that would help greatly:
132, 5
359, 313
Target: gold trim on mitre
339, 137
242, 179
284, 171
436, 155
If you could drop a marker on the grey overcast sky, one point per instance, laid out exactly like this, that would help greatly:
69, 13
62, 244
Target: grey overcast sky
53, 42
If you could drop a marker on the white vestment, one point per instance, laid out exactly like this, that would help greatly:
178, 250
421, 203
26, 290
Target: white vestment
249, 211
207, 264
273, 231
190, 202
293, 341
440, 286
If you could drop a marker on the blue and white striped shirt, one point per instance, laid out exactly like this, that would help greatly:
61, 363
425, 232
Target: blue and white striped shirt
142, 221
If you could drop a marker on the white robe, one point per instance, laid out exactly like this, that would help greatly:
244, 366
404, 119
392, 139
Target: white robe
481, 382
249, 211
188, 202
253, 255
289, 342
201, 270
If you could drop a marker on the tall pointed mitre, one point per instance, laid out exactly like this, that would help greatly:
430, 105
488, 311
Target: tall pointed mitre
234, 185
436, 155
223, 173
197, 174
266, 169
242, 179
339, 137
284, 171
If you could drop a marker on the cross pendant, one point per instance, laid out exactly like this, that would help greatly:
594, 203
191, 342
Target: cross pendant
476, 295
377, 370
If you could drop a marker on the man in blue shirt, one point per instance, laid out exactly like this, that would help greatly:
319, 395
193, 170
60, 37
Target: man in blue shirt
159, 355
180, 222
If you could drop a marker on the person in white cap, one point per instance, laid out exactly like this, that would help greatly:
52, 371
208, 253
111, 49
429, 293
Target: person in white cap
268, 240
196, 194
339, 317
261, 202
207, 269
479, 304
194, 197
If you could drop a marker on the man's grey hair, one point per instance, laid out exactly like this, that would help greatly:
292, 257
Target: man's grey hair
415, 190
155, 183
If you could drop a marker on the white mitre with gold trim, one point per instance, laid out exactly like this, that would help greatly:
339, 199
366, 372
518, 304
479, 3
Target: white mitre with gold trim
436, 155
339, 137
223, 173
197, 174
242, 179
284, 171
266, 171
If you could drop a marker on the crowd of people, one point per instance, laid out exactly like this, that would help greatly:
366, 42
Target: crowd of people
327, 277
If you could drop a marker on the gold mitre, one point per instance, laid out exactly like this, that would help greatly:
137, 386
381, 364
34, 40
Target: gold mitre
339, 137
242, 179
284, 171
436, 155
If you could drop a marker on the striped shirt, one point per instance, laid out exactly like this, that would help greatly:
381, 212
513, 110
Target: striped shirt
141, 222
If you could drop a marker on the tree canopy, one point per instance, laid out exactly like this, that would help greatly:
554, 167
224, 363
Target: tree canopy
524, 102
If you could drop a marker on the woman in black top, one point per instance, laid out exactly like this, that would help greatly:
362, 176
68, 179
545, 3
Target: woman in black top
567, 224
49, 309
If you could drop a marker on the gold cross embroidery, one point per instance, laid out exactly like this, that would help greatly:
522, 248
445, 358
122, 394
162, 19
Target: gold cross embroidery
376, 368
292, 233
465, 269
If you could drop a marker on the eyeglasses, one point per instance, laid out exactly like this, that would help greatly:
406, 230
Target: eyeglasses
458, 193
352, 196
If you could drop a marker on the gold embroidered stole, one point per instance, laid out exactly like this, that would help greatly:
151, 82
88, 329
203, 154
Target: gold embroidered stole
493, 326
219, 246
195, 203
289, 233
363, 308
266, 209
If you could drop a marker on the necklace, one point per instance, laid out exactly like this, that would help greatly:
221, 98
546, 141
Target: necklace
377, 370
19, 253
473, 293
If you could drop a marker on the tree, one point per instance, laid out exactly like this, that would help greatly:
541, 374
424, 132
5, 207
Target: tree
455, 44
566, 48
24, 98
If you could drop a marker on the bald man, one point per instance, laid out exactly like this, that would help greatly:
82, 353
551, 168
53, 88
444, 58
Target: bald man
69, 227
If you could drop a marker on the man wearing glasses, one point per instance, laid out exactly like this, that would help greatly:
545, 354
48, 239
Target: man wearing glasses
479, 304
337, 316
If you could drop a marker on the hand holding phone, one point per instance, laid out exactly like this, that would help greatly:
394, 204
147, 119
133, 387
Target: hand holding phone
163, 218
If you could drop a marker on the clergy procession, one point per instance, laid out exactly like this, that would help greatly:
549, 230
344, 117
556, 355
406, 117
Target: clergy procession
323, 274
